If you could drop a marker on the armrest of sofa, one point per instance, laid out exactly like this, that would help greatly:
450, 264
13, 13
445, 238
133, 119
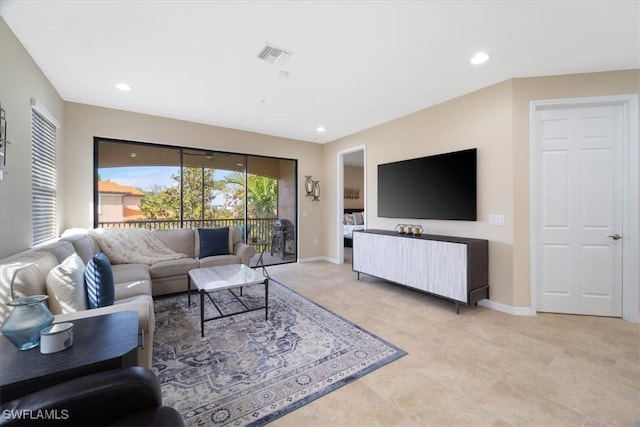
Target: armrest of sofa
142, 304
244, 251
98, 399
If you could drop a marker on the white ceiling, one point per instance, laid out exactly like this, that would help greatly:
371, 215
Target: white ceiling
354, 64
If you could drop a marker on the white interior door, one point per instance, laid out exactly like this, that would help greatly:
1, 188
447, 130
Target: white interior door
578, 209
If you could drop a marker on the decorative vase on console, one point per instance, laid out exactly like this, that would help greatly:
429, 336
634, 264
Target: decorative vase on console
29, 316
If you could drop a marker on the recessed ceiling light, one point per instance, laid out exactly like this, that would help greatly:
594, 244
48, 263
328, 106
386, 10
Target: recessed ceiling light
320, 129
123, 86
479, 58
283, 74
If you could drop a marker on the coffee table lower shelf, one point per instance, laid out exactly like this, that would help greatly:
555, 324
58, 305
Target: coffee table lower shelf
226, 277
221, 316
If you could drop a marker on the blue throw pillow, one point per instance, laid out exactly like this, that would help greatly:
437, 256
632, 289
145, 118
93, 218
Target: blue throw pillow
98, 278
213, 241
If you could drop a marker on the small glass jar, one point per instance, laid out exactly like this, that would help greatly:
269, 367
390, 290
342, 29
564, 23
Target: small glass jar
29, 316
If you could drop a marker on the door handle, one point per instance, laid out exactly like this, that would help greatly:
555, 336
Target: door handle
615, 236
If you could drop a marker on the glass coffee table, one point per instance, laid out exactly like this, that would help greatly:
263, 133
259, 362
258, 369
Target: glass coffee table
211, 279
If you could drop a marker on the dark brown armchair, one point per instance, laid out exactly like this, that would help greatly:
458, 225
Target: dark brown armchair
121, 397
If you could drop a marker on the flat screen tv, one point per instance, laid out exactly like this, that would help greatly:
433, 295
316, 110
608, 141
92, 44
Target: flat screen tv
435, 187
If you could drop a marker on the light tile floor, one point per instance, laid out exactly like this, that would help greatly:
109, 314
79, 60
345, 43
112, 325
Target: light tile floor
481, 367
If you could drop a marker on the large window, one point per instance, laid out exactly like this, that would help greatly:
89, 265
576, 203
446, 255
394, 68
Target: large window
155, 186
43, 178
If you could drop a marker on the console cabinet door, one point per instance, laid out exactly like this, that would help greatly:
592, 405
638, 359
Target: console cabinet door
432, 266
447, 269
380, 256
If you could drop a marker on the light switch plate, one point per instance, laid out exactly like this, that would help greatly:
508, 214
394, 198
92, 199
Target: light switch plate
496, 219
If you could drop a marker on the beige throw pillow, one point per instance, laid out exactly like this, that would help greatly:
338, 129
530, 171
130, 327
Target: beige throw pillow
65, 286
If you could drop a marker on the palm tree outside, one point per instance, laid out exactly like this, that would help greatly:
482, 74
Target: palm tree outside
262, 199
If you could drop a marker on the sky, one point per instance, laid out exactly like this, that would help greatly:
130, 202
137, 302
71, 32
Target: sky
144, 177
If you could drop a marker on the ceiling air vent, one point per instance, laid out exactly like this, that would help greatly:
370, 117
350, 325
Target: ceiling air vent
274, 55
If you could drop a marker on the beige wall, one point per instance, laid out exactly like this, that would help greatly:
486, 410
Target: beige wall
21, 80
496, 120
481, 119
83, 122
354, 178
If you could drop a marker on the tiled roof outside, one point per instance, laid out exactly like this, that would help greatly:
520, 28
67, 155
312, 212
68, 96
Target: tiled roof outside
131, 214
114, 187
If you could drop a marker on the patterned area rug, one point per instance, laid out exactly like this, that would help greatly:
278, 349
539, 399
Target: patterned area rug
248, 371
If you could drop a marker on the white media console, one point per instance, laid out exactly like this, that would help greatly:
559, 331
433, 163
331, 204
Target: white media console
455, 268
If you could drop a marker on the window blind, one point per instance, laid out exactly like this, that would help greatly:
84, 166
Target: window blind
43, 179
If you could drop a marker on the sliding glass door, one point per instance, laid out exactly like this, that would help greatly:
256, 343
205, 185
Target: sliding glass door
271, 207
137, 185
155, 186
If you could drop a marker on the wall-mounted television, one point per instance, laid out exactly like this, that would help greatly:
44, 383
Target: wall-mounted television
442, 186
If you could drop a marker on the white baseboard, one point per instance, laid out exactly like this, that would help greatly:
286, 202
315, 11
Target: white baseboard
516, 311
317, 258
634, 319
526, 311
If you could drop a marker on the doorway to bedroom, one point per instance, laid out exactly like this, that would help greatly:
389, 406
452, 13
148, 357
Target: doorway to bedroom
351, 199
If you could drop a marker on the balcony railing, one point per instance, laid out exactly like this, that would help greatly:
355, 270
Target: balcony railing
260, 229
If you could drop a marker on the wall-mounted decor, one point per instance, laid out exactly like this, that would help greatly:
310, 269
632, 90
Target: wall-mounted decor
351, 193
3, 137
308, 185
3, 125
316, 191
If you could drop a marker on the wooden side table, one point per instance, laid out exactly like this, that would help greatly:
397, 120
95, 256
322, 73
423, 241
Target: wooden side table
100, 343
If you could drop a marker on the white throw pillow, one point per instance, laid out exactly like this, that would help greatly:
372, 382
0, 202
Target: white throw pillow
358, 218
65, 286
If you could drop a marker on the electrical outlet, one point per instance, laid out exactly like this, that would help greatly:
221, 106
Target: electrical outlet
496, 219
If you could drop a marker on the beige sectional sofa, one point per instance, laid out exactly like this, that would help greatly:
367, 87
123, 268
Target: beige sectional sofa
169, 277
26, 274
